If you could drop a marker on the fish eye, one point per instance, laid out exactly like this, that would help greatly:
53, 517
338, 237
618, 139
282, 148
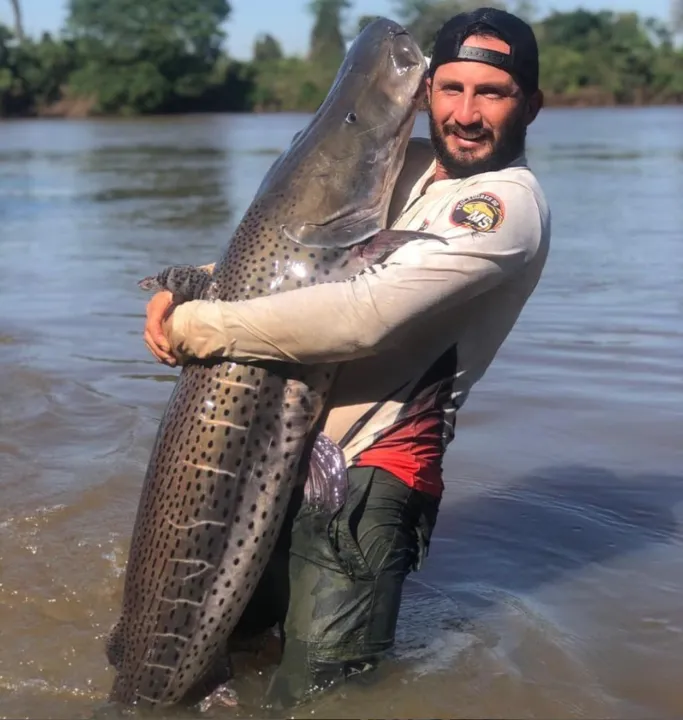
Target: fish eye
351, 117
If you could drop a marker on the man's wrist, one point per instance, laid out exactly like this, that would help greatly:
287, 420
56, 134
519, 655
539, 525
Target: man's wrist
196, 329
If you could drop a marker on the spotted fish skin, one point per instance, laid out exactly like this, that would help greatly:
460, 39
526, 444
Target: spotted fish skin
227, 452
186, 282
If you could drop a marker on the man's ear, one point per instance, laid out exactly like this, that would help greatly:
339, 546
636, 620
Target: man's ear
428, 83
427, 98
533, 106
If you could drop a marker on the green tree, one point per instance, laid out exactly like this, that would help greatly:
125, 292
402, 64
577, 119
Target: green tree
33, 73
579, 29
615, 57
131, 26
286, 85
165, 56
363, 22
327, 47
12, 92
146, 57
525, 9
266, 49
424, 18
45, 67
661, 33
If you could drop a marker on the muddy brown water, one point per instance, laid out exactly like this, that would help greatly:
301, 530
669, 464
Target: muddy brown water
554, 583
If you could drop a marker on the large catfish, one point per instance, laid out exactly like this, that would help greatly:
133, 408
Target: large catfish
230, 443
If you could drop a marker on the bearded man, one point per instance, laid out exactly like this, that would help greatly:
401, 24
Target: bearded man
413, 334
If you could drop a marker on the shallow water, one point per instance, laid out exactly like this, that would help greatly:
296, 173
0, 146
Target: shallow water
554, 581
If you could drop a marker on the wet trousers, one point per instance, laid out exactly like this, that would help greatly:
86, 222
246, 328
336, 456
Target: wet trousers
334, 583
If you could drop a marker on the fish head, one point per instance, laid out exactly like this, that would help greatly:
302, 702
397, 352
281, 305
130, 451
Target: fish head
343, 166
382, 77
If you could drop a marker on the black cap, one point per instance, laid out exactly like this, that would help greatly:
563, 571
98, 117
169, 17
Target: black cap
521, 63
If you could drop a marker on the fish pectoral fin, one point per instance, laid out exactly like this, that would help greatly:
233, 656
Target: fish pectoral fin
386, 242
326, 484
150, 283
362, 233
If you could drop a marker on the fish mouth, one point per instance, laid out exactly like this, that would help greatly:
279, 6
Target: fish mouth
405, 53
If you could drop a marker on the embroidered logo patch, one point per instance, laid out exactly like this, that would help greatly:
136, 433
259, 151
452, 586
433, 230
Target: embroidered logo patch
483, 212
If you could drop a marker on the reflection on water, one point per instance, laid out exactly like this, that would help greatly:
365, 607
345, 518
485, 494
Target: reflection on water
150, 186
553, 584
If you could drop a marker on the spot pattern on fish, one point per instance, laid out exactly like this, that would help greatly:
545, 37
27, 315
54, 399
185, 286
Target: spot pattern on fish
226, 456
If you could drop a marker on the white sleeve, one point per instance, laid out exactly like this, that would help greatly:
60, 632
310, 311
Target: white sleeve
374, 310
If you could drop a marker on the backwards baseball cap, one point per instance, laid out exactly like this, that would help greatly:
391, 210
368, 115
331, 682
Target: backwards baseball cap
521, 62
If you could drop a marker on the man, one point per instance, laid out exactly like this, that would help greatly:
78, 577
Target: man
414, 334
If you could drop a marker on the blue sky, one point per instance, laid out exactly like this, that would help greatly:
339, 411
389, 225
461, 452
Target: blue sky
289, 21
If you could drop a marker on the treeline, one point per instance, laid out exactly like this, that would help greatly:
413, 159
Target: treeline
124, 57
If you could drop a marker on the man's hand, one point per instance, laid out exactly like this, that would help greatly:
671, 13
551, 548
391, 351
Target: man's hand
159, 309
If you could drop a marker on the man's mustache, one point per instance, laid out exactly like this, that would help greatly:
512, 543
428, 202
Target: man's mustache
467, 133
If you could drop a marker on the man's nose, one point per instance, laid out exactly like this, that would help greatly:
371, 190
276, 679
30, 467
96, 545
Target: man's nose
466, 111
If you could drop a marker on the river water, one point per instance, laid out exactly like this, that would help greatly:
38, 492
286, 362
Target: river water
553, 587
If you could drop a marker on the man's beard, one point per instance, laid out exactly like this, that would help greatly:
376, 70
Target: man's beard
506, 148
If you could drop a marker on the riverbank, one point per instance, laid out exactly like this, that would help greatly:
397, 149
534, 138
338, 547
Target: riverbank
596, 97
75, 108
588, 59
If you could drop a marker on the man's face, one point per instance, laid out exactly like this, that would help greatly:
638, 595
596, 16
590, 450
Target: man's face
477, 114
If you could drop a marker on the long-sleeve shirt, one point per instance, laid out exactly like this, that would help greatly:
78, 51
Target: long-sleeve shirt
413, 333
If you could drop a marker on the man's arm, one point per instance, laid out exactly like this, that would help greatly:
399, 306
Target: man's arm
158, 310
373, 311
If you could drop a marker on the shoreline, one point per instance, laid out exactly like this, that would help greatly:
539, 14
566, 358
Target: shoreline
78, 111
81, 108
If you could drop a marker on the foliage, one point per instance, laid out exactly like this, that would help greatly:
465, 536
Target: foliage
288, 84
33, 72
266, 49
363, 21
169, 56
327, 46
423, 18
144, 57
612, 57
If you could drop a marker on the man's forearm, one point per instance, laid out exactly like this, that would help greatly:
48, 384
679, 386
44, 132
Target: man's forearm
374, 311
334, 322
310, 327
